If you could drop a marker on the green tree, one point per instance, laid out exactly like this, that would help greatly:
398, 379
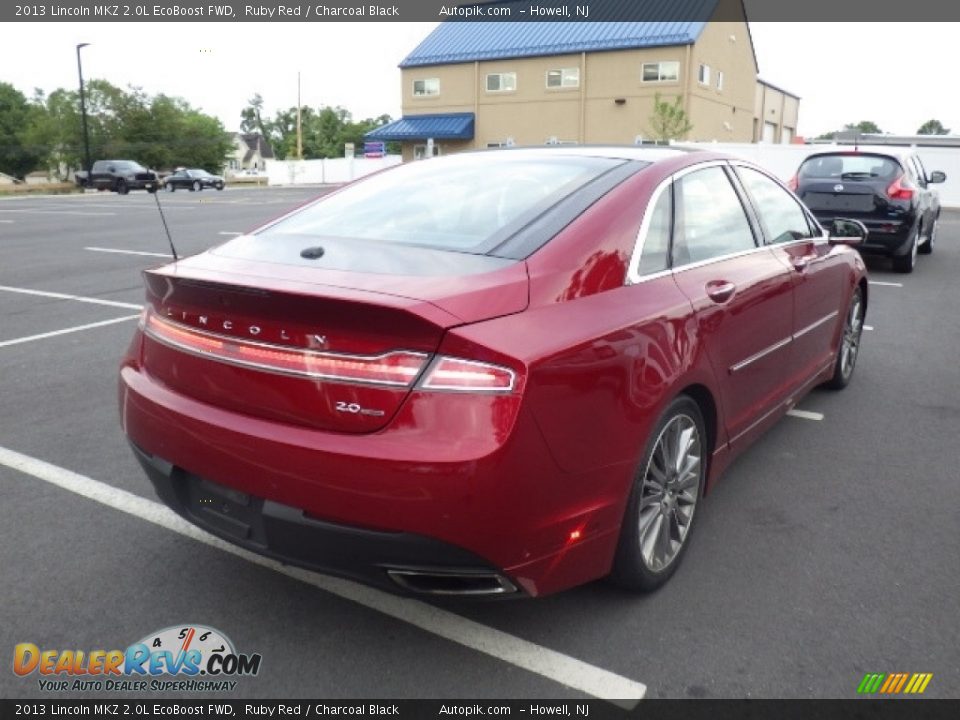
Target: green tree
252, 117
933, 127
17, 157
669, 121
864, 126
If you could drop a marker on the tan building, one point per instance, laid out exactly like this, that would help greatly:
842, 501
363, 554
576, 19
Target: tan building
775, 113
478, 85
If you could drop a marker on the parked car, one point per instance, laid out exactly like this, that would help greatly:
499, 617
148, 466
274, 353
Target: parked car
193, 179
497, 373
886, 188
122, 176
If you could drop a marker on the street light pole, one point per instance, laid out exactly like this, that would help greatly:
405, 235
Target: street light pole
83, 114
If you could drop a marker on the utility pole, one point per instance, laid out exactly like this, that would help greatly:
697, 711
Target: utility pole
83, 114
299, 129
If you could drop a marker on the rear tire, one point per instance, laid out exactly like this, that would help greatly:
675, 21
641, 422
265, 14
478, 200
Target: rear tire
906, 263
927, 247
849, 343
663, 499
171, 187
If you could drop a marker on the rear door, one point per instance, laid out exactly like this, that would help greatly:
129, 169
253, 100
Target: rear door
819, 275
741, 293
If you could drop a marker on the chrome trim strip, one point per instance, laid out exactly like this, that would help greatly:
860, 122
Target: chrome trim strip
763, 353
632, 276
815, 325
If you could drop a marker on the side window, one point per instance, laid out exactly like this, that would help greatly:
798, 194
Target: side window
782, 217
655, 253
921, 171
709, 220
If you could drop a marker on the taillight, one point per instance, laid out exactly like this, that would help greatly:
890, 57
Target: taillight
454, 374
398, 368
900, 189
793, 183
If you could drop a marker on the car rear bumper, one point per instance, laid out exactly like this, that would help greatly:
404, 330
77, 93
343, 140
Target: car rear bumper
366, 506
394, 561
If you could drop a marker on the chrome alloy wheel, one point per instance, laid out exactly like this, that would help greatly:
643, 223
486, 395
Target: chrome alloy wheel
852, 329
671, 486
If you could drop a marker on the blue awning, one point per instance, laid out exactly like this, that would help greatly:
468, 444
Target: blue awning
441, 126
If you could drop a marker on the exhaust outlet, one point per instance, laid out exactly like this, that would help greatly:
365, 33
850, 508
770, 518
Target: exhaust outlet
442, 582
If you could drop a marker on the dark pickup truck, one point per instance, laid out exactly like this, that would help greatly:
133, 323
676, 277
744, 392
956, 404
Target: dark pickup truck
121, 176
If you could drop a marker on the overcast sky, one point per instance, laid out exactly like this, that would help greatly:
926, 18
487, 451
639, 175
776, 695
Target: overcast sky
895, 74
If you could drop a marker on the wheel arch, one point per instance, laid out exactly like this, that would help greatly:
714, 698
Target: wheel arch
705, 400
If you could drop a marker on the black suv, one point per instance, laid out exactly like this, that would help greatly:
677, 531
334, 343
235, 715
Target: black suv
122, 176
886, 188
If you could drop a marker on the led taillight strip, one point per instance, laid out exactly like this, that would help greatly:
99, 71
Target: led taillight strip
399, 368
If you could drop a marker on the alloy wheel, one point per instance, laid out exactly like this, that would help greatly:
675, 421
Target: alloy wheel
670, 490
852, 330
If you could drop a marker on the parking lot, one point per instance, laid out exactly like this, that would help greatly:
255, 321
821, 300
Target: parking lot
830, 550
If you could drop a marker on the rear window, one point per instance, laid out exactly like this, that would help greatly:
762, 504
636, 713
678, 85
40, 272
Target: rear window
858, 166
464, 204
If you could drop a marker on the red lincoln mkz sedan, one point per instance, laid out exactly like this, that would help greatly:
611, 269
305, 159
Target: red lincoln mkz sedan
505, 372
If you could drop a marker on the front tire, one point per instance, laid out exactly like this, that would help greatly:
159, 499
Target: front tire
196, 186
122, 188
849, 343
663, 499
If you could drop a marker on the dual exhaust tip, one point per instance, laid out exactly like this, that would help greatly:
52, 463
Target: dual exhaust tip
444, 582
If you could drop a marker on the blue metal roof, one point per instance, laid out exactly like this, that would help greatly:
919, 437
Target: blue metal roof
670, 22
440, 126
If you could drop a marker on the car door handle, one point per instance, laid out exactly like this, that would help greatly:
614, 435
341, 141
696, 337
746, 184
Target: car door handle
800, 263
720, 291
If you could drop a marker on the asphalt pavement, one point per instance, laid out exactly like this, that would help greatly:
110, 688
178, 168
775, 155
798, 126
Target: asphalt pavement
829, 550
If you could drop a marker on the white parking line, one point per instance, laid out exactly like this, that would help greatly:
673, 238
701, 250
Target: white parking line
550, 664
6, 221
805, 414
885, 284
229, 232
55, 212
76, 298
66, 331
128, 252
868, 327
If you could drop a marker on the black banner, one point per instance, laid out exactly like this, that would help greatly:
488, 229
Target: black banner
483, 11
913, 709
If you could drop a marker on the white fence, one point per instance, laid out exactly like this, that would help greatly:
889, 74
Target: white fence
334, 170
783, 161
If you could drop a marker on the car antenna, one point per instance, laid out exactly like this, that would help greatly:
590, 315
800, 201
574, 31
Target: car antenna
156, 196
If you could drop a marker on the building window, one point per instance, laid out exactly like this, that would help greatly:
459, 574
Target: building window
704, 75
501, 82
719, 80
428, 86
563, 78
420, 151
661, 71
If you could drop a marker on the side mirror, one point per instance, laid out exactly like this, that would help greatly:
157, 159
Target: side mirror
848, 232
937, 177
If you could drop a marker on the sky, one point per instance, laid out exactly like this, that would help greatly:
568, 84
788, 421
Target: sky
898, 75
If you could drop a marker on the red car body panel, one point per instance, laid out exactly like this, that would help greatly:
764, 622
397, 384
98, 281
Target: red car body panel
535, 480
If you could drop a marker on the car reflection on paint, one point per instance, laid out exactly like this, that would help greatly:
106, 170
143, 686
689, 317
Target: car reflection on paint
523, 388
